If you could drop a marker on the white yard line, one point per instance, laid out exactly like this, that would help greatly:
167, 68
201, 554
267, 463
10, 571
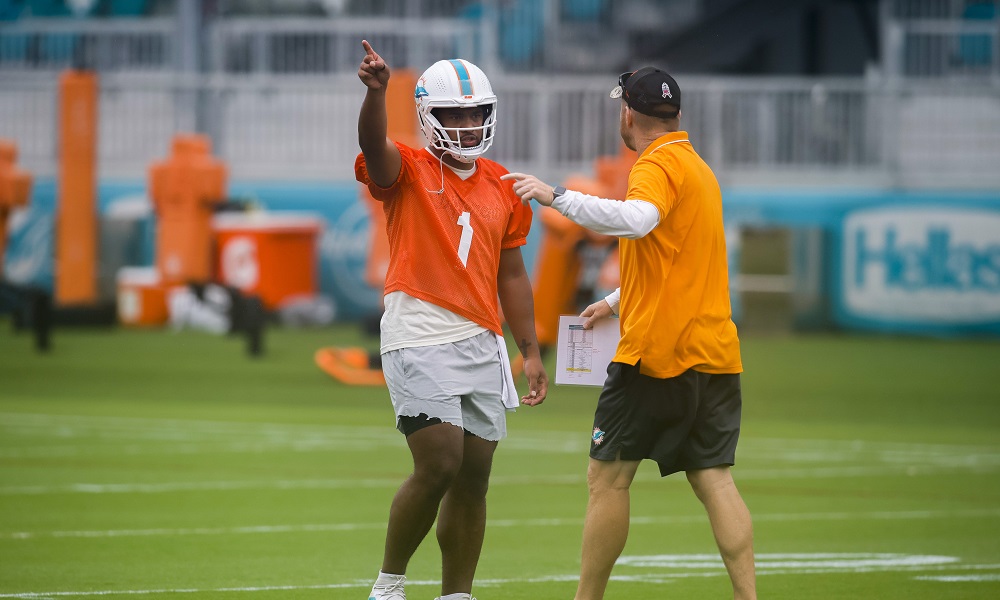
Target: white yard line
284, 484
768, 565
774, 473
207, 434
960, 578
921, 515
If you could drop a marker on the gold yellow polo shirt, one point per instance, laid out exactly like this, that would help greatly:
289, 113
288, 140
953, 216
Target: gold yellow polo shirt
675, 312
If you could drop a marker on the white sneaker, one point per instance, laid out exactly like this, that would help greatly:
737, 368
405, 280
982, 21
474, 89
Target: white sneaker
388, 591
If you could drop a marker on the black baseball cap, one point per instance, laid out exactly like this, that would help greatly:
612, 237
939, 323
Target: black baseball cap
650, 91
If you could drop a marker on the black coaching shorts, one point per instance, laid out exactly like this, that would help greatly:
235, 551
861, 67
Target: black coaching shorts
687, 422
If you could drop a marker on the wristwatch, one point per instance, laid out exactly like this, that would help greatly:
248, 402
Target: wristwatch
558, 191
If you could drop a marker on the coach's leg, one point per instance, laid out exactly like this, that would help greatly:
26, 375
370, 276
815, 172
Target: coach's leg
731, 525
462, 520
437, 458
605, 528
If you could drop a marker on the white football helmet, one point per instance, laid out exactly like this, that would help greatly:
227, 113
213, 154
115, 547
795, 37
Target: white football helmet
455, 83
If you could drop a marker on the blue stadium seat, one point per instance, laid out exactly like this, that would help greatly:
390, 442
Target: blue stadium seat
522, 26
128, 8
10, 10
583, 10
55, 48
474, 12
13, 48
977, 49
48, 8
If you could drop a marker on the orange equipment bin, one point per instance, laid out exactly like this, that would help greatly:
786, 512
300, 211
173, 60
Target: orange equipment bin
184, 188
272, 256
142, 297
15, 187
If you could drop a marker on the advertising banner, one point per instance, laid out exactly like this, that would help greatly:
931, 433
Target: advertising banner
918, 268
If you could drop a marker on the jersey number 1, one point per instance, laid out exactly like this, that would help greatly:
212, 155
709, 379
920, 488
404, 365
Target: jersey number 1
466, 241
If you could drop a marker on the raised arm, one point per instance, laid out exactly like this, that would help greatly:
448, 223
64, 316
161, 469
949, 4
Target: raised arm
381, 155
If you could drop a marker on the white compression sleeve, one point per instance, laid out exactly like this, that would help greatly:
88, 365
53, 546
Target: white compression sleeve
629, 219
613, 299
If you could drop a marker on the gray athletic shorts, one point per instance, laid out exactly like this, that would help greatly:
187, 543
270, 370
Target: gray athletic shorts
460, 383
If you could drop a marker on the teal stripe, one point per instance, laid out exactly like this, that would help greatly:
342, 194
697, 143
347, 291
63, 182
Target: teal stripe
464, 79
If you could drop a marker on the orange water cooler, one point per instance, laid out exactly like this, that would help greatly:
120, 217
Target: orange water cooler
269, 255
141, 297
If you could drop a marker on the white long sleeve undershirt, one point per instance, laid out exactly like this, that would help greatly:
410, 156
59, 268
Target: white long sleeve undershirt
630, 219
613, 299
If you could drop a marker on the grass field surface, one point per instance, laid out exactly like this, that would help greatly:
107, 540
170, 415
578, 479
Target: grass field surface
171, 465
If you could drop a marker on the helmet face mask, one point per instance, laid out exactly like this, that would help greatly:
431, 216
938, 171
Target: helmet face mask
455, 84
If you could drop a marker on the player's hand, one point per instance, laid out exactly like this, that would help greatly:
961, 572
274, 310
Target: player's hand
595, 312
373, 72
529, 186
538, 382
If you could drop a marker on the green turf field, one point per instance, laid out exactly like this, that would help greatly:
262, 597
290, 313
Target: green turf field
173, 466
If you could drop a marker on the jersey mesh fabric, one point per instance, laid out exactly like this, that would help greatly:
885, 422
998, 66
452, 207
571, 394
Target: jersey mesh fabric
675, 310
425, 231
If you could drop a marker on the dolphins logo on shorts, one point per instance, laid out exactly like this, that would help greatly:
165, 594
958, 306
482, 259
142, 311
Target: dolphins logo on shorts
598, 436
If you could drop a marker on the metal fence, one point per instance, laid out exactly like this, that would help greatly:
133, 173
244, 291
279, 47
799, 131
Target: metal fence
928, 9
301, 46
768, 131
942, 48
135, 45
923, 38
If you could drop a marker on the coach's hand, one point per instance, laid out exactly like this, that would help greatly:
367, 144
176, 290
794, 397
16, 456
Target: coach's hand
595, 312
373, 71
529, 186
538, 381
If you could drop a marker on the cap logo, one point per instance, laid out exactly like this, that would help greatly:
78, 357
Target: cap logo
666, 90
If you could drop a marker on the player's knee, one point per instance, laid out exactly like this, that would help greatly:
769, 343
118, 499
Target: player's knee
696, 484
706, 482
474, 486
439, 473
607, 476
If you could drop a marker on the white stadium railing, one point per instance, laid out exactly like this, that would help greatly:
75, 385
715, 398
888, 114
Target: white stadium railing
753, 131
920, 38
942, 48
296, 46
109, 45
279, 97
940, 38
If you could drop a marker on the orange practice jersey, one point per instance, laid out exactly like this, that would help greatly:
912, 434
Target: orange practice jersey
445, 248
675, 311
